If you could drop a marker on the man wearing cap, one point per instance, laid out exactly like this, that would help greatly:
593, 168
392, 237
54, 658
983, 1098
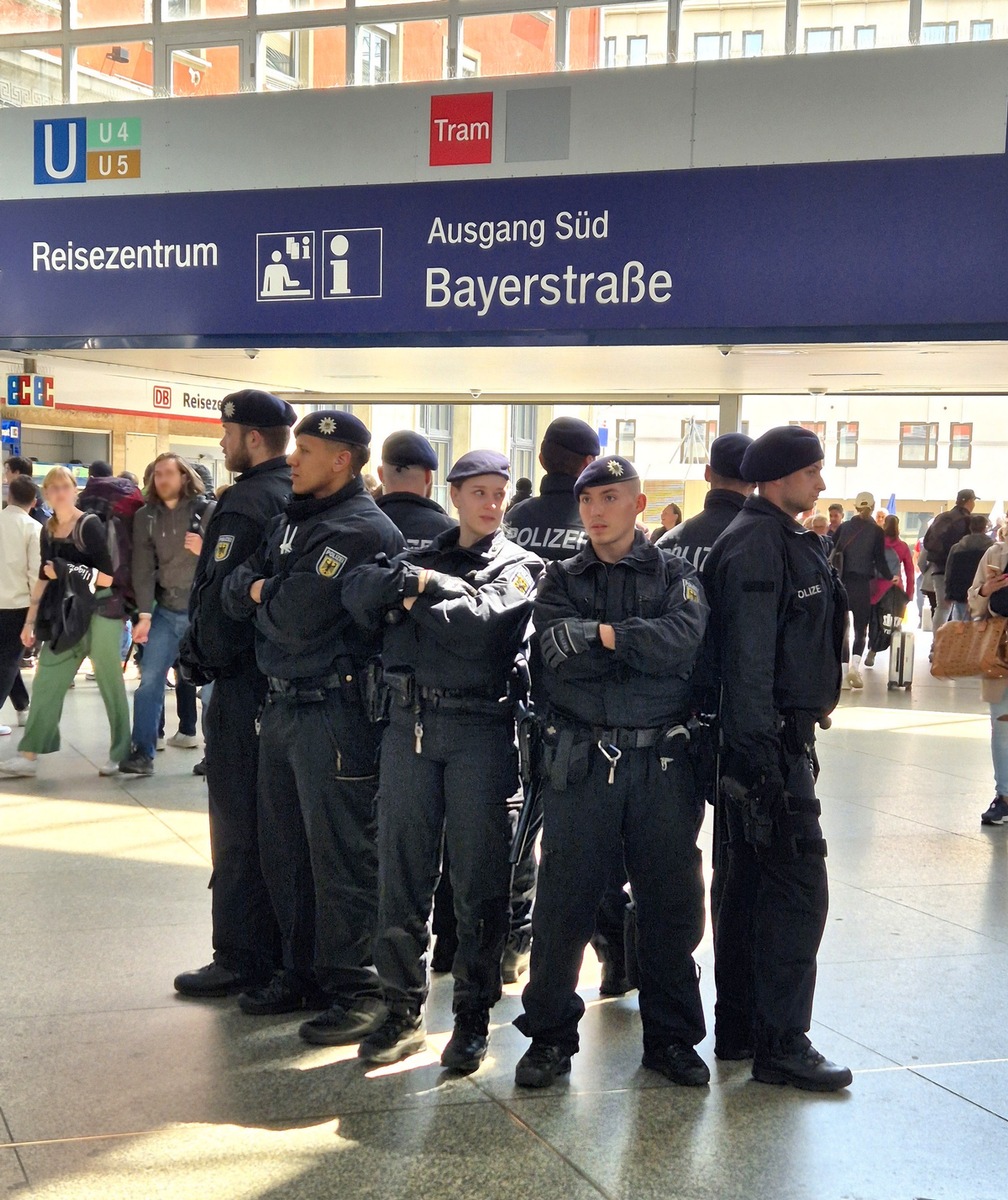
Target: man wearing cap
942, 534
859, 550
455, 618
246, 940
777, 623
317, 746
408, 463
620, 626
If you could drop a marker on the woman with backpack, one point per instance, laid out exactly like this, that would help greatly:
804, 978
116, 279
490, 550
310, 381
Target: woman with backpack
899, 562
65, 612
859, 557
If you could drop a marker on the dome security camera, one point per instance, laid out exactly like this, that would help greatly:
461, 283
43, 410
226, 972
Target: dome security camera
724, 351
252, 353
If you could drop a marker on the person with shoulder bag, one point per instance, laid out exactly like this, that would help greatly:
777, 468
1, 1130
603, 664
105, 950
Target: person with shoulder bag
988, 597
65, 609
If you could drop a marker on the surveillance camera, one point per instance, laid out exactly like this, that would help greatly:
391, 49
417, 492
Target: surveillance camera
475, 393
724, 351
252, 353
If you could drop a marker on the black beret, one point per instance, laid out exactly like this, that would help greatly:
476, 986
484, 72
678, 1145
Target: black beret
334, 426
726, 454
480, 462
571, 434
780, 452
260, 410
611, 469
408, 449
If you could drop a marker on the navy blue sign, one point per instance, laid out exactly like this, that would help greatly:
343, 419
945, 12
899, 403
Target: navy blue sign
901, 250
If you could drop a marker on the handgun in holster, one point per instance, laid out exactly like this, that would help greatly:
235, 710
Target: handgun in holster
758, 806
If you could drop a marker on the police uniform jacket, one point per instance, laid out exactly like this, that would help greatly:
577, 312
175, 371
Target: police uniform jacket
549, 524
778, 615
302, 629
693, 539
417, 518
656, 606
466, 644
235, 531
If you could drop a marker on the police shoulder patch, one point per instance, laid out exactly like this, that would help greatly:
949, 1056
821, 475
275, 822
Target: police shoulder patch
223, 547
689, 591
330, 563
521, 581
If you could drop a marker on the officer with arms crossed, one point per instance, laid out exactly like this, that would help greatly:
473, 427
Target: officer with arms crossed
407, 472
246, 940
551, 526
778, 616
456, 617
317, 746
620, 627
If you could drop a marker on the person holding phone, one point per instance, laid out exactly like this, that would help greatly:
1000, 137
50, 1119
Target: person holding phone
986, 598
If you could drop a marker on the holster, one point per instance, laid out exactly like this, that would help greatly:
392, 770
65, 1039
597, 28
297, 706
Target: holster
565, 756
378, 698
400, 687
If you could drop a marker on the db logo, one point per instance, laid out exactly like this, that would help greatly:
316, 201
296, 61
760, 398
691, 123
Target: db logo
162, 397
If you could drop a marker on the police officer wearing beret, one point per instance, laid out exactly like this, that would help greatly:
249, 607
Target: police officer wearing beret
246, 940
317, 747
620, 627
456, 617
408, 463
778, 618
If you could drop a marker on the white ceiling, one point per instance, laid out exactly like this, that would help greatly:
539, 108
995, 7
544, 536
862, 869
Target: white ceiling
663, 372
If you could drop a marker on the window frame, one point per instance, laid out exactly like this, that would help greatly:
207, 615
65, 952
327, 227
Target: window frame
930, 445
955, 465
844, 440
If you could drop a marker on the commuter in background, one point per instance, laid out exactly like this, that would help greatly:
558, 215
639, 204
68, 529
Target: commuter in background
989, 596
880, 518
836, 519
671, 516
961, 566
74, 581
19, 569
167, 539
899, 562
522, 491
942, 534
14, 466
820, 524
860, 545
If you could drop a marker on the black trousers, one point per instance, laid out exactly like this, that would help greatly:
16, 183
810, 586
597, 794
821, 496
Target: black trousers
771, 918
456, 789
317, 783
11, 651
859, 596
654, 817
246, 936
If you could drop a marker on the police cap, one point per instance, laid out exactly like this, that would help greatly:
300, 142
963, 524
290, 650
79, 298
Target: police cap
611, 469
408, 449
726, 454
571, 434
334, 426
479, 462
259, 410
780, 452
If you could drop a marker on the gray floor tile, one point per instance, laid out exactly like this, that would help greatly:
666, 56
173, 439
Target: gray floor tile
982, 907
984, 1084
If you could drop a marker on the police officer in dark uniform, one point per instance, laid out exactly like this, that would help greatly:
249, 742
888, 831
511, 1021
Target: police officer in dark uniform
778, 620
551, 526
457, 617
620, 627
317, 747
408, 463
693, 539
246, 939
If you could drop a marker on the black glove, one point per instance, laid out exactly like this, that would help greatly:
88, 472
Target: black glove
567, 638
439, 586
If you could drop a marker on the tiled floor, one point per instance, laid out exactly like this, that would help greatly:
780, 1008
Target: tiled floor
111, 1086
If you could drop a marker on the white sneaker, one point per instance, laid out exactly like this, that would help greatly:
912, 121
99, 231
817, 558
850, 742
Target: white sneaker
855, 680
160, 744
183, 741
5, 730
18, 767
109, 768
845, 682
22, 717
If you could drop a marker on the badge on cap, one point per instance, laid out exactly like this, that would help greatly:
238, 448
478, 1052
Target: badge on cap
330, 563
327, 425
615, 467
229, 409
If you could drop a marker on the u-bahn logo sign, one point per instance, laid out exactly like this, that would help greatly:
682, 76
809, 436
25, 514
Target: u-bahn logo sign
76, 150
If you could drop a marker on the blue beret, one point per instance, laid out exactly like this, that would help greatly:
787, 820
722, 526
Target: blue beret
260, 410
611, 469
571, 434
408, 449
480, 462
726, 454
780, 452
334, 426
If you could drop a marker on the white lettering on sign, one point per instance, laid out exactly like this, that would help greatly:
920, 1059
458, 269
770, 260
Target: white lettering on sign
461, 131
567, 226
157, 256
632, 283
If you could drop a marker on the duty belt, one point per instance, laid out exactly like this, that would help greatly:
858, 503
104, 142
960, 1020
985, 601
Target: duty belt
627, 739
305, 689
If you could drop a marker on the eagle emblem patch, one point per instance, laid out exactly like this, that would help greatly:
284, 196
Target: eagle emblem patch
223, 547
521, 581
330, 563
689, 592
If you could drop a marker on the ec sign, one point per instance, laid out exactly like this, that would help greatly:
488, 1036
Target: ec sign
30, 391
